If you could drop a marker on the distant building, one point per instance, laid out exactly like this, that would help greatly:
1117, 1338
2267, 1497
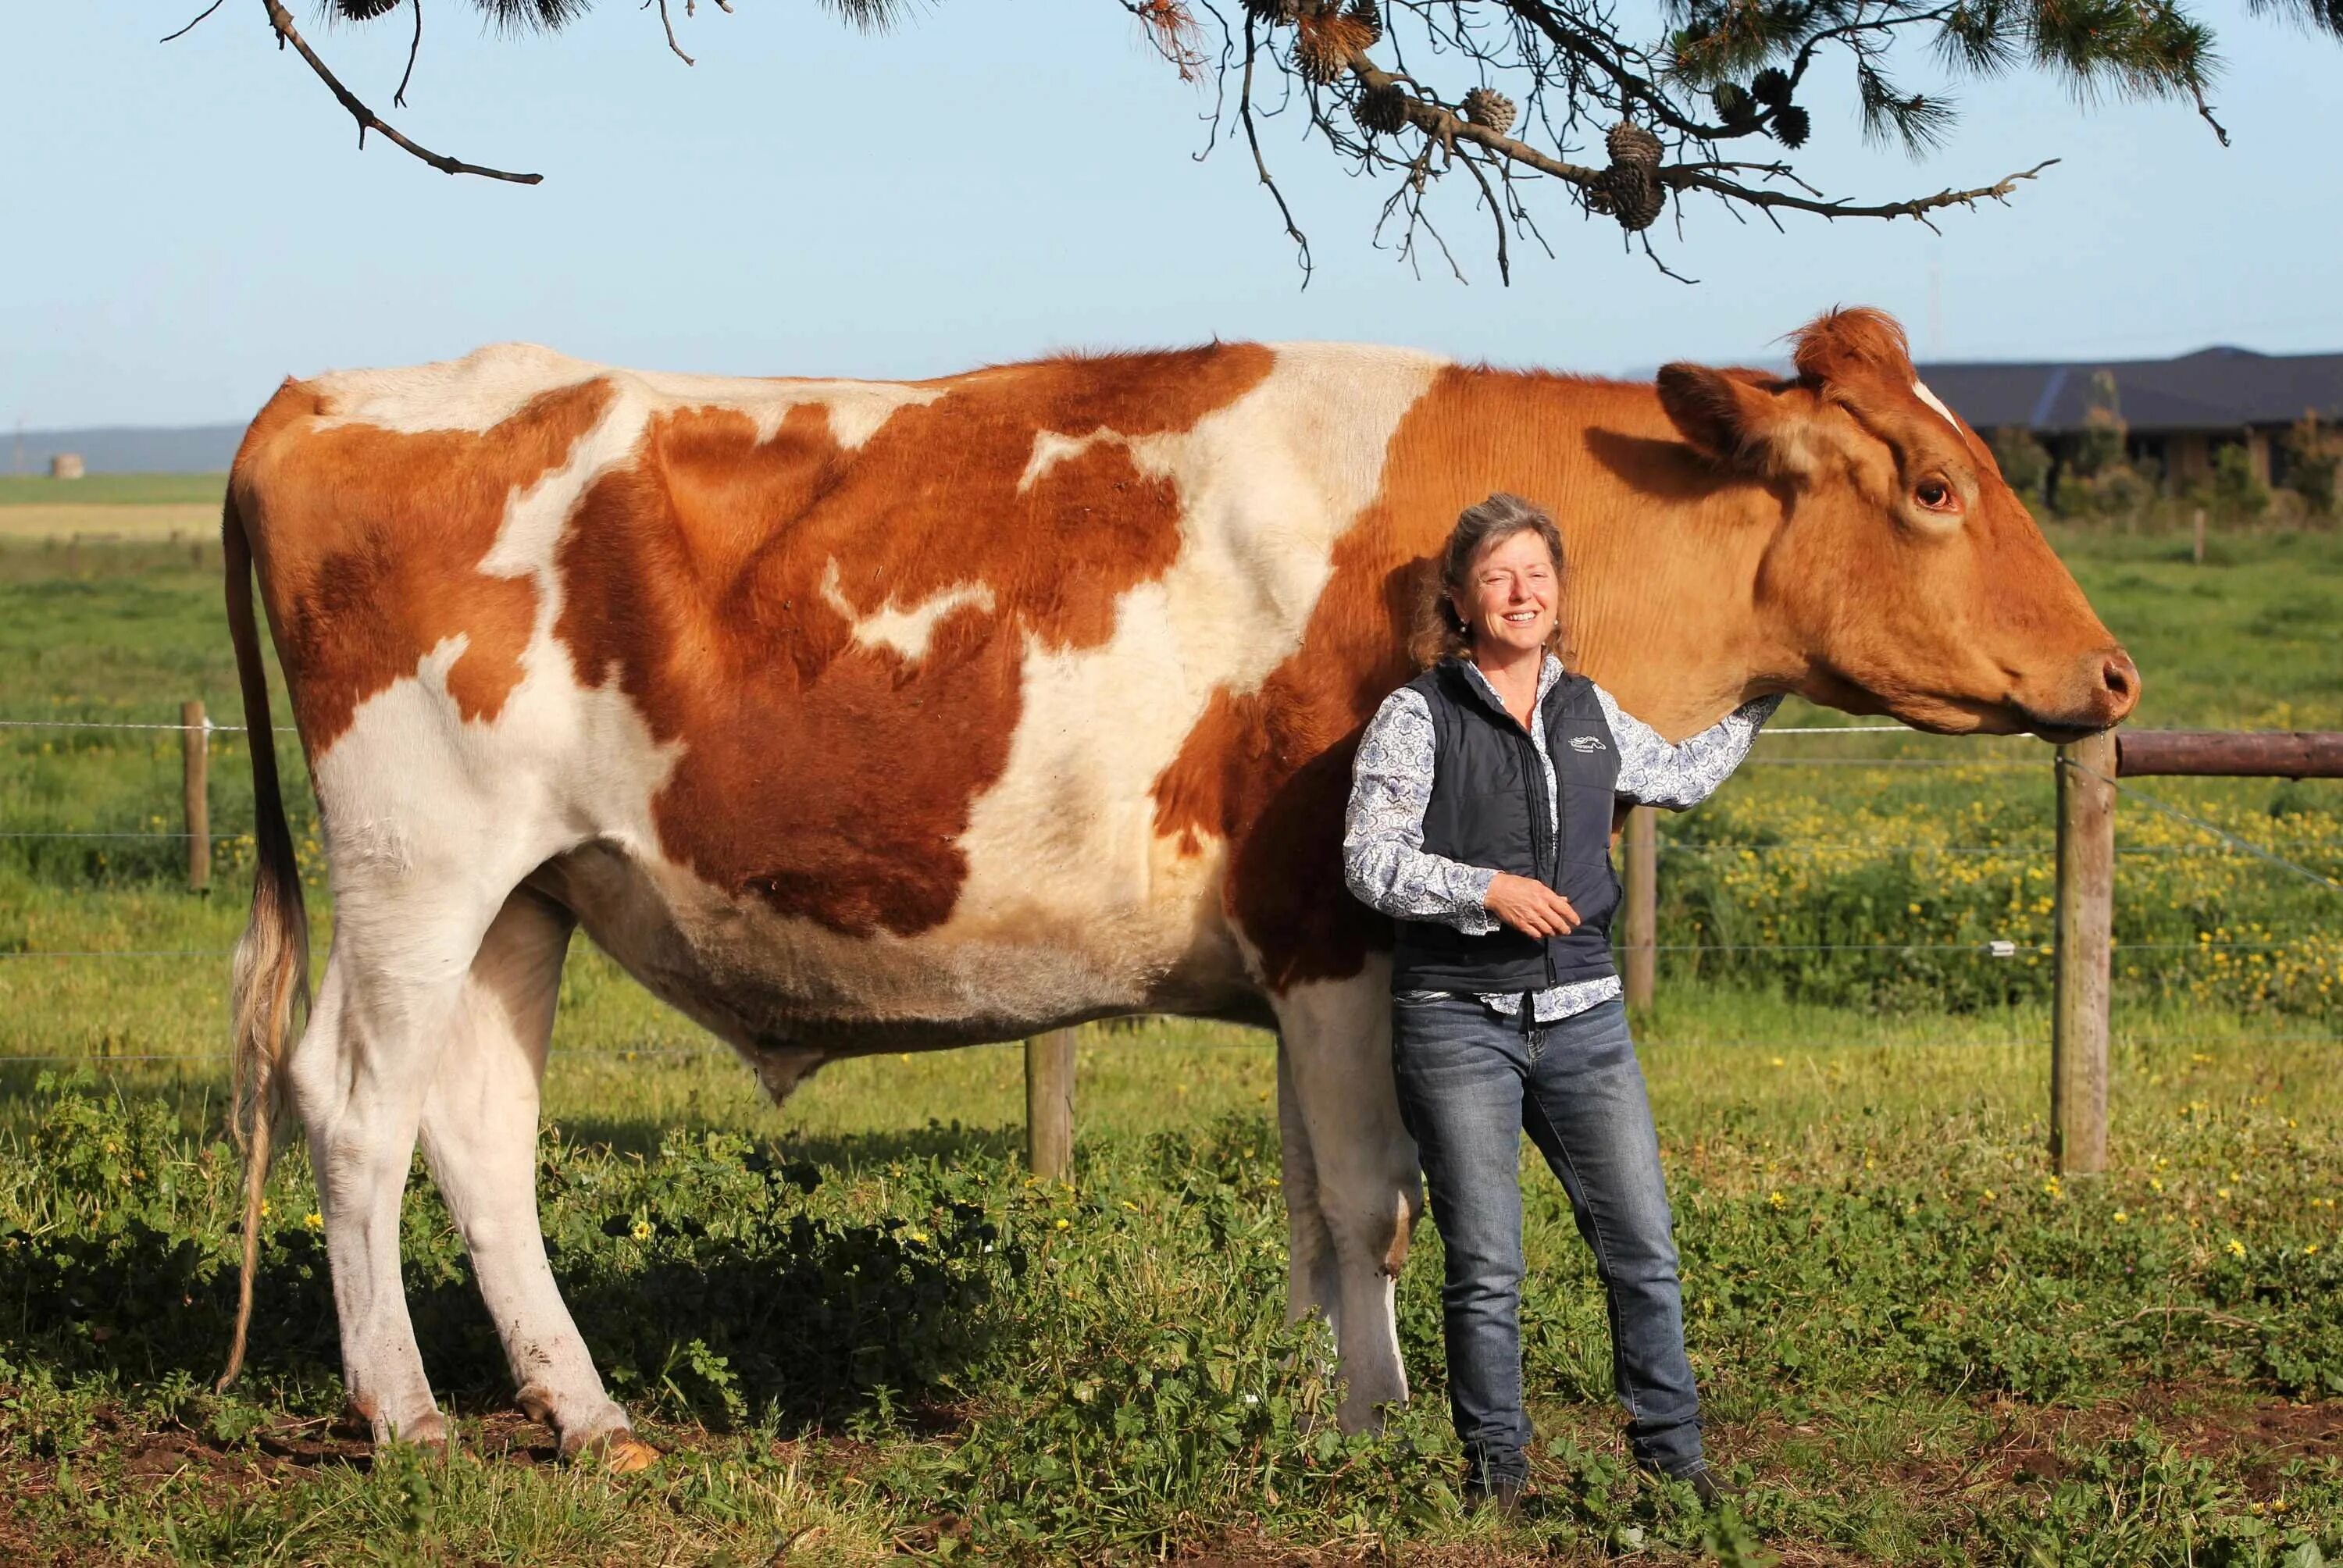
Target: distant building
65, 465
2180, 411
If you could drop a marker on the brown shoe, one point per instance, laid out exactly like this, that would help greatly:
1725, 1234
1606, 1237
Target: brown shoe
1706, 1485
1502, 1496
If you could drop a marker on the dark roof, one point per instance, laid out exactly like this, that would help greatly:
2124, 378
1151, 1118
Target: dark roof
2217, 389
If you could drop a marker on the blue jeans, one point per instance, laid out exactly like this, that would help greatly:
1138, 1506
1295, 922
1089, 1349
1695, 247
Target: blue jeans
1469, 1082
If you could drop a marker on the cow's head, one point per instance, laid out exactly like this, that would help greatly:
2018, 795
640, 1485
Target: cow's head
1905, 574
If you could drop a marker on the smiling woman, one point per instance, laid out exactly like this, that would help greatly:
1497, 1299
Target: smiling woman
1480, 816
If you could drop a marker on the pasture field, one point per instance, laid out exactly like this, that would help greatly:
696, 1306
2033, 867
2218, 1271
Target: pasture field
859, 1330
113, 490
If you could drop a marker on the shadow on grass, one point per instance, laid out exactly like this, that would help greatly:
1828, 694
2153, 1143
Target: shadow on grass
708, 1286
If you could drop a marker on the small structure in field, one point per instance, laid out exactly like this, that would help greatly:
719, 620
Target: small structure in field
66, 465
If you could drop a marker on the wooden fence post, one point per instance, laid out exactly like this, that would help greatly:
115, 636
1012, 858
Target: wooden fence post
1050, 1104
2085, 918
2196, 543
195, 792
1642, 898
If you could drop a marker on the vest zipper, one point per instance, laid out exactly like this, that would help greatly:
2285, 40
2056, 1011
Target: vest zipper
1532, 773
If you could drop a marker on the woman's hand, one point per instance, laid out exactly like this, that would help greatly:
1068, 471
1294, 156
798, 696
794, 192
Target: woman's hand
1529, 906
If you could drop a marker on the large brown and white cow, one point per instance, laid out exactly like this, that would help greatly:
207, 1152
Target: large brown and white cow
854, 716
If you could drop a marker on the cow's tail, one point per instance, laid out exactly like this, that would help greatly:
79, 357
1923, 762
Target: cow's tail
271, 987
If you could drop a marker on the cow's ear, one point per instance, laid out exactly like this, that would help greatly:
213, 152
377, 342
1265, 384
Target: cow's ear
1734, 419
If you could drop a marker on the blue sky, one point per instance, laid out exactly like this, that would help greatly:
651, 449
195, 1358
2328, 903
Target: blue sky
192, 221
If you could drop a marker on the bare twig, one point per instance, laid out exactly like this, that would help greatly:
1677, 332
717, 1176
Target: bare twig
1682, 176
1497, 213
215, 5
2203, 108
399, 99
281, 20
1252, 138
669, 23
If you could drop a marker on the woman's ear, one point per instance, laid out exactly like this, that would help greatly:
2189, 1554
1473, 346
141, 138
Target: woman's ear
1731, 419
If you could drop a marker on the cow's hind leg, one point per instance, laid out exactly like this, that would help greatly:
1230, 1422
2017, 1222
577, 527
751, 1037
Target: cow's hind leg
1337, 1075
479, 1135
358, 1079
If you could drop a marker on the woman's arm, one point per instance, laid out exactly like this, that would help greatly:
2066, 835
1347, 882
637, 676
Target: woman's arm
1383, 858
1654, 773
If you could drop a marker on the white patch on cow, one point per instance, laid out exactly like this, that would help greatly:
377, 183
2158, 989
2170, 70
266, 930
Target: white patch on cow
1266, 485
1920, 390
857, 408
1051, 448
489, 386
906, 631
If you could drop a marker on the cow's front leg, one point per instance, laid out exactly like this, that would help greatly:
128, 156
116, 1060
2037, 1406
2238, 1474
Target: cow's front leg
1335, 1082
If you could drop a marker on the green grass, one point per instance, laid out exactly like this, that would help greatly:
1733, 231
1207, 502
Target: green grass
110, 490
859, 1331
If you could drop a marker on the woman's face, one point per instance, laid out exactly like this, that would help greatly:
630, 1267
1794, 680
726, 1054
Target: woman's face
1509, 597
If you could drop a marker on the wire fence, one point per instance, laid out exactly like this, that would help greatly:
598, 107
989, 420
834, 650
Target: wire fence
2224, 842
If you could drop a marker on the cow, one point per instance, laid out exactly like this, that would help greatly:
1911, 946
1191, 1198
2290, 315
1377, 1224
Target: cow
852, 716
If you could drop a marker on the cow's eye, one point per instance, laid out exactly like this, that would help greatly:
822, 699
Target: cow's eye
1937, 496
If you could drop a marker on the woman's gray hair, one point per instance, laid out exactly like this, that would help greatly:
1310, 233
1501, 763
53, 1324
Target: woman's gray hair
1439, 633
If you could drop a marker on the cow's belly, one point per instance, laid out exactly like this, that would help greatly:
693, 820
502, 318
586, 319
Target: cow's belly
780, 984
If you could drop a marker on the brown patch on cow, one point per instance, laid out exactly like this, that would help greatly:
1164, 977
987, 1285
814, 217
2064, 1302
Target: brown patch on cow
830, 779
368, 544
1403, 1232
1268, 770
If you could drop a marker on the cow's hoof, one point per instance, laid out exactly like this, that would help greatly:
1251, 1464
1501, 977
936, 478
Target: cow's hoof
621, 1454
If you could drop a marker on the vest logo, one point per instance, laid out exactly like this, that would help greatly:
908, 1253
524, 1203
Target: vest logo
1586, 743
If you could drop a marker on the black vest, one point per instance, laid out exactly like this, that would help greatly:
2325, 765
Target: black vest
1488, 808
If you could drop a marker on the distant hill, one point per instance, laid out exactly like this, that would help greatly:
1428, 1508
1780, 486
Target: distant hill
119, 449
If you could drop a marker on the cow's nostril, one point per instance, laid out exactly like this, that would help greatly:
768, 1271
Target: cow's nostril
2121, 676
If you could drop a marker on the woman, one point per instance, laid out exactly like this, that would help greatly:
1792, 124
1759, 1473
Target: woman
1480, 819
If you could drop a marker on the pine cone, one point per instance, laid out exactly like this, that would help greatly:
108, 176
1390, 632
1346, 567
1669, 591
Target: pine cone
1381, 111
1771, 86
1632, 193
1370, 15
364, 10
1734, 107
1791, 125
1274, 13
1486, 107
1327, 42
1632, 143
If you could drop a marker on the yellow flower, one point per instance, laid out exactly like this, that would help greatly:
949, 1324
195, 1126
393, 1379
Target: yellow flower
643, 1230
1065, 1224
2050, 1188
1779, 1063
313, 1220
2155, 1185
2221, 1191
1988, 1194
2311, 1251
920, 1237
1775, 1200
2122, 1218
2236, 1249
264, 1208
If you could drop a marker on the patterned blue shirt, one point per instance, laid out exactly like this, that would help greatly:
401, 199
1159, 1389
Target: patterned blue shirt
1383, 858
